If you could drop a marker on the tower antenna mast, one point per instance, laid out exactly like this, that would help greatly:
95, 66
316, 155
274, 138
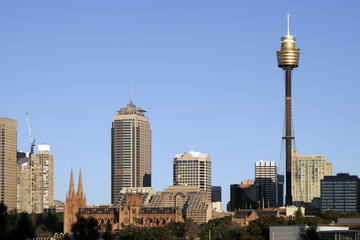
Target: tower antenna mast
131, 92
288, 24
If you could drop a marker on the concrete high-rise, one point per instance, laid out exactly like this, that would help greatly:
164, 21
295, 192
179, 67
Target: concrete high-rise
193, 169
8, 158
307, 173
130, 150
266, 175
42, 179
24, 193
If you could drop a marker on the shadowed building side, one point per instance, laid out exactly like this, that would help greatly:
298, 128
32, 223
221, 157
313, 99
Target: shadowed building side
8, 159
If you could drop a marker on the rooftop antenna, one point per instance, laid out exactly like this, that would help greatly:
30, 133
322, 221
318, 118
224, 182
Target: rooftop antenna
288, 24
131, 92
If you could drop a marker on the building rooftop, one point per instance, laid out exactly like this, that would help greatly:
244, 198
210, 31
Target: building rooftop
131, 109
192, 154
265, 163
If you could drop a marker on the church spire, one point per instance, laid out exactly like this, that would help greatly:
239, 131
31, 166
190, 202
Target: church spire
71, 187
80, 187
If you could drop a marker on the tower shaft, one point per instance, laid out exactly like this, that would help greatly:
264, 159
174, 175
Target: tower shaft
288, 137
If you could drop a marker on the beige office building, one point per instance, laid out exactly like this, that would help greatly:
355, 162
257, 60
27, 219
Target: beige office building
42, 179
307, 172
193, 203
8, 150
130, 150
193, 169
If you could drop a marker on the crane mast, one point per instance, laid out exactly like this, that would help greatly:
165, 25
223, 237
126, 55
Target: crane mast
32, 141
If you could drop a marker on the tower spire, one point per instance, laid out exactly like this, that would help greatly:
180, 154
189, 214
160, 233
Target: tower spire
71, 187
131, 92
288, 24
80, 186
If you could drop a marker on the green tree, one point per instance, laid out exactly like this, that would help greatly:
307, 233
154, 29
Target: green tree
3, 221
299, 218
85, 229
24, 228
42, 231
331, 216
309, 233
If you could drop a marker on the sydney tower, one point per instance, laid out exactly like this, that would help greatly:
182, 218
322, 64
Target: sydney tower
288, 58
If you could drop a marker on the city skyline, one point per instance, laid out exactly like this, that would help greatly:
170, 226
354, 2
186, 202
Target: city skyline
186, 92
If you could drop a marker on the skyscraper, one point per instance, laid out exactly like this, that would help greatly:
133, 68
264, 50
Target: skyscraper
42, 179
307, 172
130, 150
8, 151
193, 169
266, 175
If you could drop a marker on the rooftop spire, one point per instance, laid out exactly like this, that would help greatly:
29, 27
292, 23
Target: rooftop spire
288, 24
80, 187
71, 187
131, 92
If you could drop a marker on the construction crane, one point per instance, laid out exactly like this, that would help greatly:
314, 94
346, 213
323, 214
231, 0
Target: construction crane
32, 141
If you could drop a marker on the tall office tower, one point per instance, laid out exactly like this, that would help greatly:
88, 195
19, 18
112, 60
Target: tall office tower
42, 178
130, 150
340, 193
307, 172
280, 185
193, 169
266, 175
8, 145
288, 58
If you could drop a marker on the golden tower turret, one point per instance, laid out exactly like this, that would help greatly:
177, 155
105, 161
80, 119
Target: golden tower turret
288, 55
288, 58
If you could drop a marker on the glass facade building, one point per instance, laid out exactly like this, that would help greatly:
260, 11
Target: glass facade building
340, 193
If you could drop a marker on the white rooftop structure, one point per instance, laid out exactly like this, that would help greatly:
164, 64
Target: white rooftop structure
193, 154
44, 147
265, 163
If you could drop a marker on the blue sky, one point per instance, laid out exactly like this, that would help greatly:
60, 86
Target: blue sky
205, 71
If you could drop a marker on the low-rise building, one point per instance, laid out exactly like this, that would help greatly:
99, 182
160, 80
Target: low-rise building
193, 202
133, 213
325, 232
244, 217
